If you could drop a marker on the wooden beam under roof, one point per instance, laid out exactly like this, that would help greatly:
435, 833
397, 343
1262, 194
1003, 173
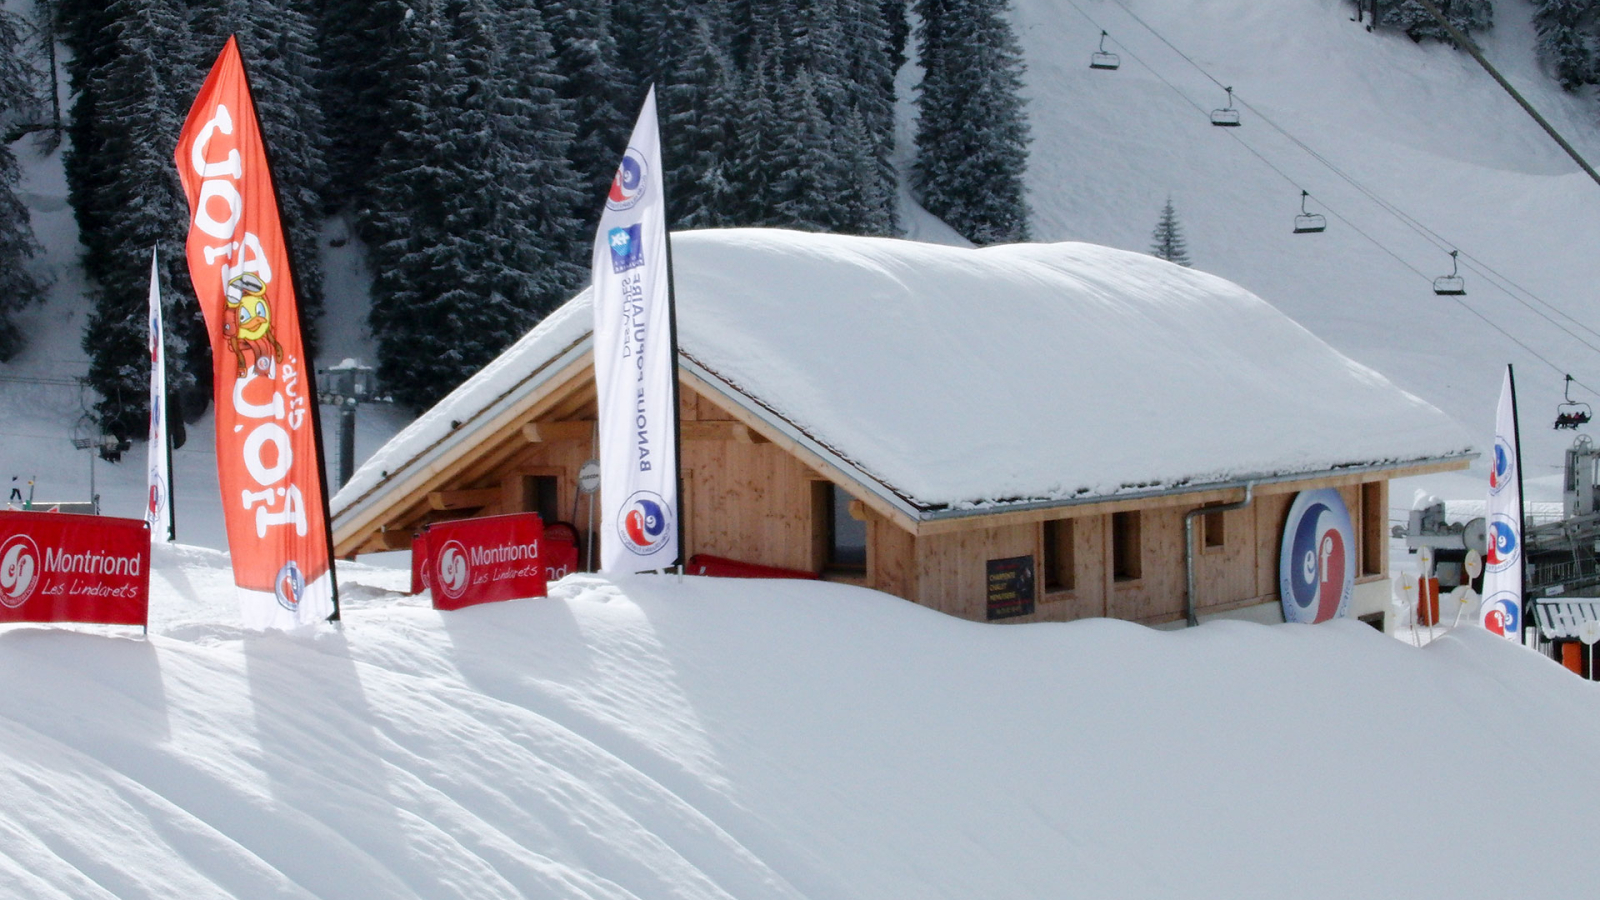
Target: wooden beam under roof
720, 430
540, 432
468, 499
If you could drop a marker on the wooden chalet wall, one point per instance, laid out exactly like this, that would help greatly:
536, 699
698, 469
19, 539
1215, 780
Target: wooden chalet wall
747, 499
951, 568
750, 499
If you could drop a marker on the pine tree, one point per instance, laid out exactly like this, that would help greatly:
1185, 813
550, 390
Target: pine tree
897, 29
127, 198
864, 204
1167, 242
808, 176
599, 93
18, 286
359, 45
972, 133
697, 105
277, 43
754, 140
647, 32
85, 27
1418, 24
869, 107
1569, 40
471, 210
533, 134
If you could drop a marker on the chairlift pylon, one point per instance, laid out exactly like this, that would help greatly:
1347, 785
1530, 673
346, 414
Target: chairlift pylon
1227, 117
1572, 413
1451, 285
1308, 222
1104, 59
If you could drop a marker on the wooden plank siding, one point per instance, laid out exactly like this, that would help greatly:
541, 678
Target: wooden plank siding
952, 568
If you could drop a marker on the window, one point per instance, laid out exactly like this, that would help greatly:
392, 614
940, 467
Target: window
1060, 566
1374, 519
1212, 530
1126, 552
541, 494
844, 544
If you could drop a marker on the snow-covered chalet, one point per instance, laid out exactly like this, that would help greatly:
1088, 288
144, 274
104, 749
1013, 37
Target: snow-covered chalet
1122, 436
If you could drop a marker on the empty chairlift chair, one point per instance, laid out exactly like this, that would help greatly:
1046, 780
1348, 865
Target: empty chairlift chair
1450, 285
1308, 222
1572, 413
1228, 117
1104, 59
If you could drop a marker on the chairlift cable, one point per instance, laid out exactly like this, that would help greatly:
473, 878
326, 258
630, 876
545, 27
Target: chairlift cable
1407, 220
1510, 287
1159, 37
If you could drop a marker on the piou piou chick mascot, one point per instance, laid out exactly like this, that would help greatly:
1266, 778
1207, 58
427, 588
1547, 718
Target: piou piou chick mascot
247, 324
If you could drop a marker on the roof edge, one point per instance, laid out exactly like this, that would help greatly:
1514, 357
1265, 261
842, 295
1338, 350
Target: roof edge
1431, 463
361, 507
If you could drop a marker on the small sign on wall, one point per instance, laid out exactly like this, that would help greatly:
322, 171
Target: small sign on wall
1010, 587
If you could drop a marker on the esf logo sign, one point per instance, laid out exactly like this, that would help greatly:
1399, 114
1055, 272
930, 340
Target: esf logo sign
1316, 562
645, 523
1502, 615
19, 570
454, 570
1505, 545
158, 498
627, 188
289, 586
1503, 468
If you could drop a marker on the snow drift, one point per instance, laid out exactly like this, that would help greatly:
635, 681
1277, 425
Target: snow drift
641, 738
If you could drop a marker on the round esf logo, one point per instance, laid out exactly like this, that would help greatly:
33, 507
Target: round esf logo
627, 189
1505, 545
158, 494
19, 570
289, 586
1502, 615
1316, 563
645, 523
1503, 468
453, 573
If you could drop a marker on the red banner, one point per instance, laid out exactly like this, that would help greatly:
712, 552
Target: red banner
60, 567
419, 563
722, 567
486, 559
267, 461
560, 559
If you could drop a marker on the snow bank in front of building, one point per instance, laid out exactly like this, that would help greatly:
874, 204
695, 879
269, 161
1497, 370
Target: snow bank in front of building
963, 377
641, 738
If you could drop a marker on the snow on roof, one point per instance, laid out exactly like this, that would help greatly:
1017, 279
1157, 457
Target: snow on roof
959, 377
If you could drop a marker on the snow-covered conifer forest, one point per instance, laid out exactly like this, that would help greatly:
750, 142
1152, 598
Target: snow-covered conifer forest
470, 141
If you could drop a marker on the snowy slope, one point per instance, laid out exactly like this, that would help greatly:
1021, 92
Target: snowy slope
1419, 126
645, 738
